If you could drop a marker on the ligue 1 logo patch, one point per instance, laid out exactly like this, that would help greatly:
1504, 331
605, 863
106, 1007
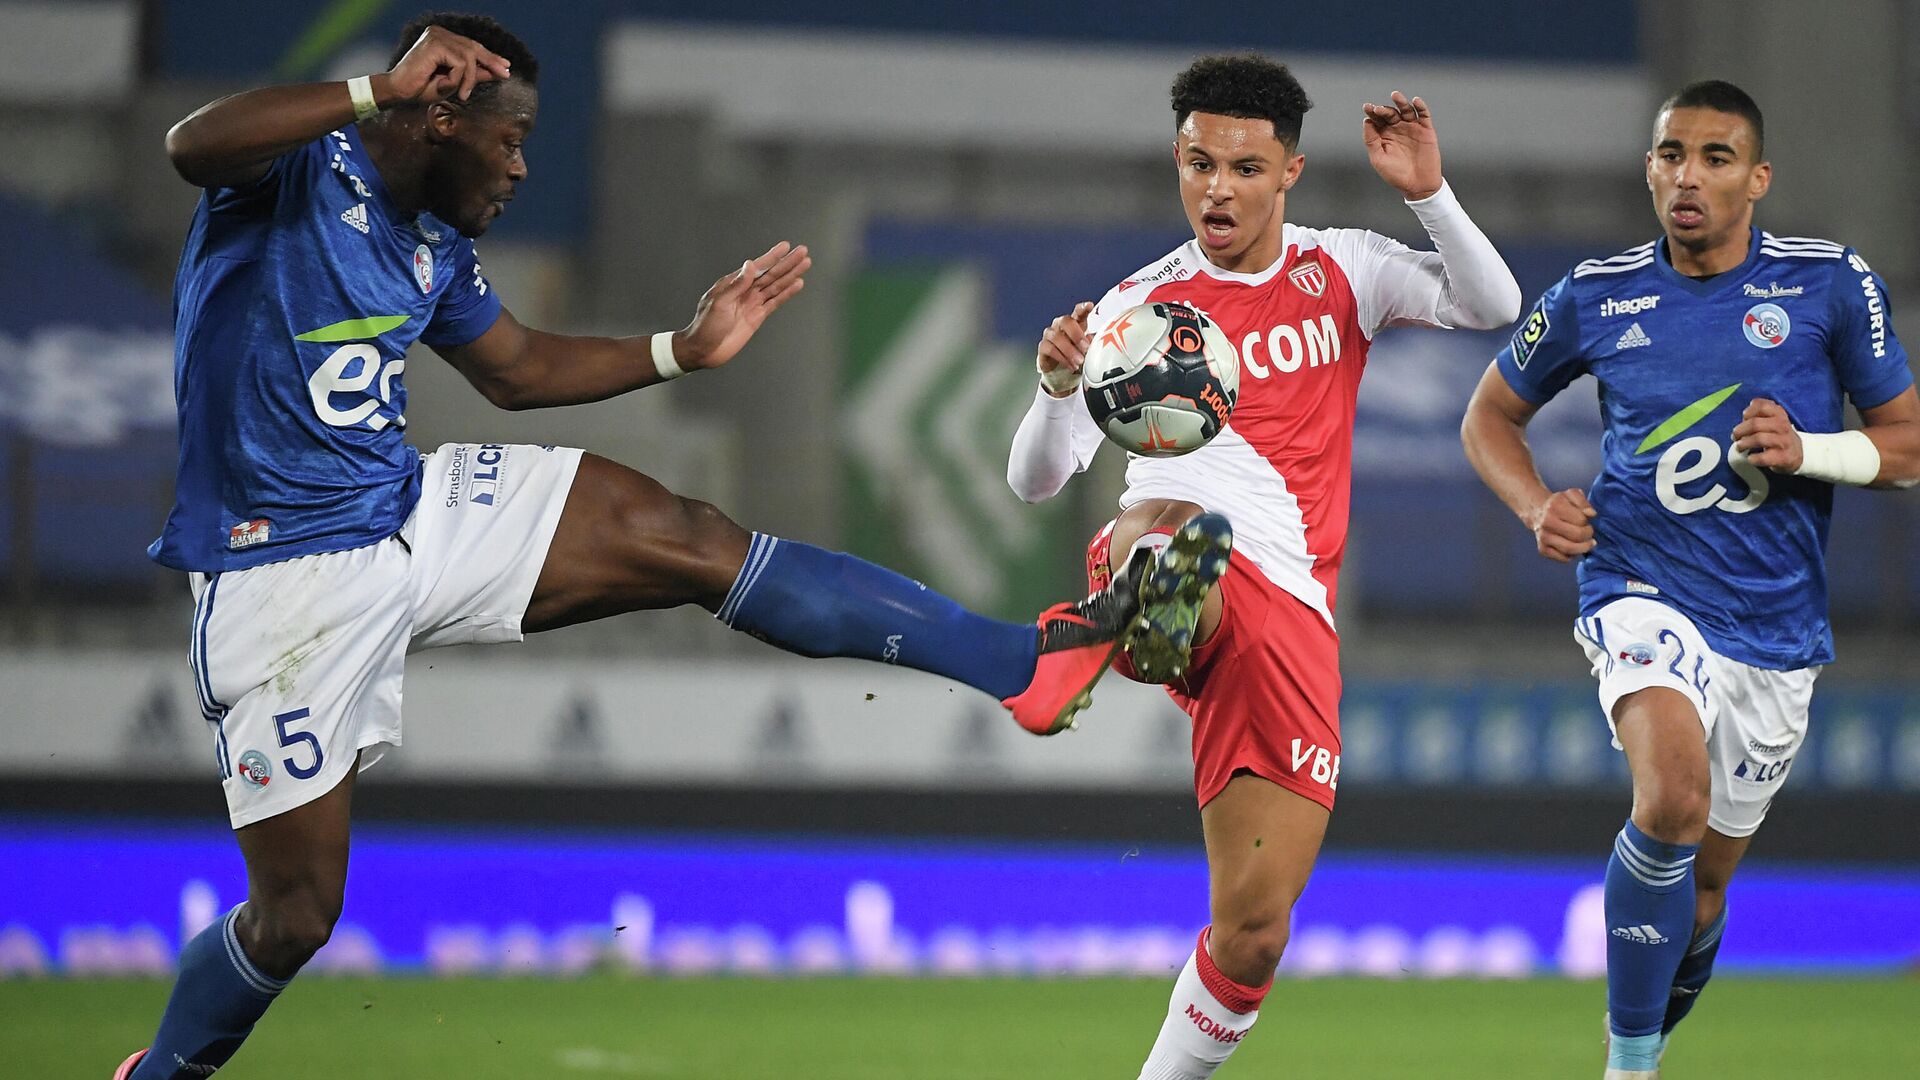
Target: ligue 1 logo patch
1766, 325
255, 769
1309, 278
423, 268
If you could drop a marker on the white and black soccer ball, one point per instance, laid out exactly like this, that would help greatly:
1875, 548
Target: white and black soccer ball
1161, 379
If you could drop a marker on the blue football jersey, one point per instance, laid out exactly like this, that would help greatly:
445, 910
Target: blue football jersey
1739, 549
296, 300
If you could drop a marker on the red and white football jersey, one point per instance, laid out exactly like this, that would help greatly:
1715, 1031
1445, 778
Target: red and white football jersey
1281, 469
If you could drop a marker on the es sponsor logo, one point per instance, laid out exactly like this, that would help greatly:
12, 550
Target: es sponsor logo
1773, 290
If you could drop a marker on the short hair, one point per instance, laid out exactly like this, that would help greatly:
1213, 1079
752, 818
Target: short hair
484, 29
1720, 96
1247, 86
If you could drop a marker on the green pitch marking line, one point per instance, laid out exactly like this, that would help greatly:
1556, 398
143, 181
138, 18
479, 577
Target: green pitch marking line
1685, 418
354, 329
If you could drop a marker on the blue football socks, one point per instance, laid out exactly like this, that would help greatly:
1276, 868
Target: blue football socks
1649, 905
815, 602
1695, 969
217, 998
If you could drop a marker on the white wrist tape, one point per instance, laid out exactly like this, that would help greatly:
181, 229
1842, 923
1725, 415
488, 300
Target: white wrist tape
663, 361
1060, 380
1841, 457
360, 89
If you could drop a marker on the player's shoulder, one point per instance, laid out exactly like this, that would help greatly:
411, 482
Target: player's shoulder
1350, 248
1179, 264
1608, 269
1800, 248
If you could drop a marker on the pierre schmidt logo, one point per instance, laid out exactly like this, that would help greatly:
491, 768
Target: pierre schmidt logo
1773, 290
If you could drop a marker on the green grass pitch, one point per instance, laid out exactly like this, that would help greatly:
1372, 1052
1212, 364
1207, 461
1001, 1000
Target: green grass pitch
855, 1029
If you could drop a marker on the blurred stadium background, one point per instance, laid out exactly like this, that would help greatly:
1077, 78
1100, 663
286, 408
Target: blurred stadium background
962, 174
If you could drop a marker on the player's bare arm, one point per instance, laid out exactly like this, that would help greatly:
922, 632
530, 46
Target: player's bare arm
1495, 436
1063, 351
1767, 436
1402, 146
233, 140
517, 367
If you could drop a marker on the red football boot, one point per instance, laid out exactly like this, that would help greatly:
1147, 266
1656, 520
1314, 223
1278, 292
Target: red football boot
126, 1067
1077, 643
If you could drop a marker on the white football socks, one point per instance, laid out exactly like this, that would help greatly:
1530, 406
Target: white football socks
1207, 1017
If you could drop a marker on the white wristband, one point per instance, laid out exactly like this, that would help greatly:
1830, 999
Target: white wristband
1840, 457
1059, 381
663, 361
360, 89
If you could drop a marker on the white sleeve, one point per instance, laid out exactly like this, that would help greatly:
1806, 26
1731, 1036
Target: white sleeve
1462, 282
1057, 438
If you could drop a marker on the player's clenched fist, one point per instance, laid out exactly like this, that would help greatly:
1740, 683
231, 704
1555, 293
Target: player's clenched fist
1063, 351
440, 65
1767, 437
1563, 525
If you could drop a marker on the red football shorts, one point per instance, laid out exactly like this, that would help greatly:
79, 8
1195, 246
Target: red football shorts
1263, 692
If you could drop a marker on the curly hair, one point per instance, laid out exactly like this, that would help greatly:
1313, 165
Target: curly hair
1720, 96
1247, 86
484, 29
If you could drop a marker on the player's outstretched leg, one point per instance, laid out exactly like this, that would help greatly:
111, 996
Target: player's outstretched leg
234, 969
1262, 840
1650, 879
626, 543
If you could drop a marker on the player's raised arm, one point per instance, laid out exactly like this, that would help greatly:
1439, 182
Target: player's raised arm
1463, 282
233, 140
517, 367
1045, 452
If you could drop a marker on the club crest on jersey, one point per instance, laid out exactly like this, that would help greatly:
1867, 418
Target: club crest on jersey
255, 769
1766, 325
423, 268
248, 533
1638, 653
1309, 278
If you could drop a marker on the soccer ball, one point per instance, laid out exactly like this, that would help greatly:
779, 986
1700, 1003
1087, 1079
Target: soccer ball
1161, 379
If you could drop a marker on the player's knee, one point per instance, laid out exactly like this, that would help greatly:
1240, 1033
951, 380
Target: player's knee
1247, 948
1673, 812
687, 541
287, 929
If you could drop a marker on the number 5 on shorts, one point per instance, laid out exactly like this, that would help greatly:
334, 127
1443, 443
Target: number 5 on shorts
287, 739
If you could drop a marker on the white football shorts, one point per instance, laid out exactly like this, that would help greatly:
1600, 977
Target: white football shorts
1754, 719
299, 663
